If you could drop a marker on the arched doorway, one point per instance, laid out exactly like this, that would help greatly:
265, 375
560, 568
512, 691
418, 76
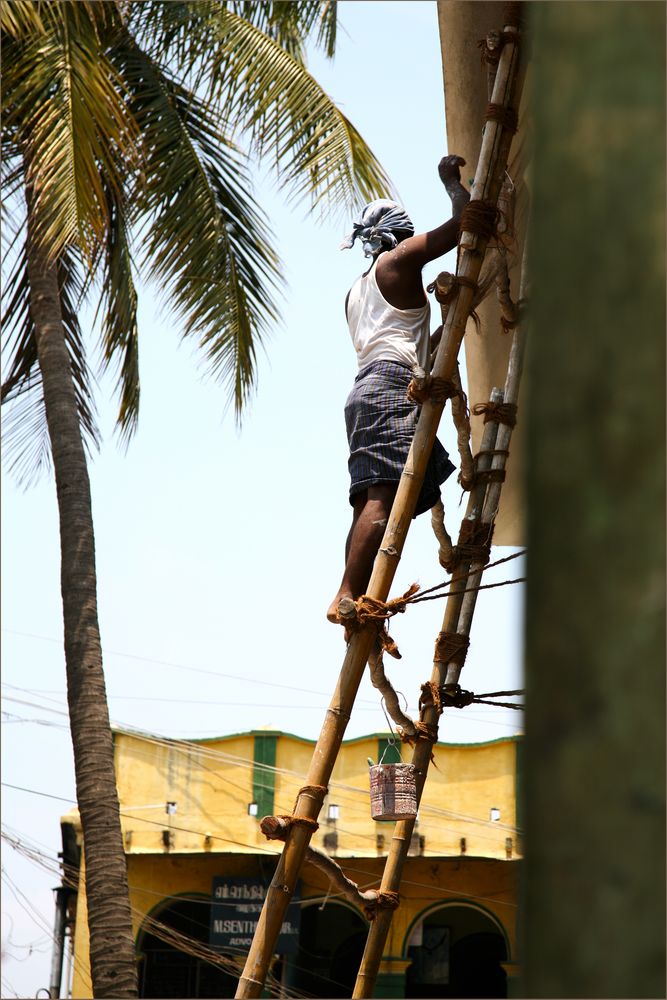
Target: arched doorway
331, 944
167, 971
456, 951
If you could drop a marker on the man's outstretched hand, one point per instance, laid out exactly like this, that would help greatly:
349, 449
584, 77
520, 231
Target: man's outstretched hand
448, 169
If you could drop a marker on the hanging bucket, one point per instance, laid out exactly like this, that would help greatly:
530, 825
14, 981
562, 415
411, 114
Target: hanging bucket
393, 791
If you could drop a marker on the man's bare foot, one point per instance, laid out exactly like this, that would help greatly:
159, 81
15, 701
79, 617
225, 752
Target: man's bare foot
342, 610
332, 613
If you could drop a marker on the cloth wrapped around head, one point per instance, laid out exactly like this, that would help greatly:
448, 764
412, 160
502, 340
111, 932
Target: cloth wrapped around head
382, 226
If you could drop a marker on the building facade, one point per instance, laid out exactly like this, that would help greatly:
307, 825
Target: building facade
198, 866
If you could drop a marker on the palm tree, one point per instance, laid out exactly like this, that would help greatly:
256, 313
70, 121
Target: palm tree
132, 125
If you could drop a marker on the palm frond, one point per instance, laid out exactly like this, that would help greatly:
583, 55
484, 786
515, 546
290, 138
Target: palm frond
292, 24
25, 433
205, 239
19, 18
178, 32
327, 34
120, 334
315, 149
64, 112
254, 71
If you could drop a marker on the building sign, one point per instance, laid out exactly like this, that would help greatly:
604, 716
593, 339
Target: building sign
236, 904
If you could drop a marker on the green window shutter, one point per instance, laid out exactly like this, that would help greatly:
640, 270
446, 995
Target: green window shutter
263, 775
393, 754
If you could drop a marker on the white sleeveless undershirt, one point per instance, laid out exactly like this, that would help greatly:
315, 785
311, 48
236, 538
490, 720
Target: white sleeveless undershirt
381, 332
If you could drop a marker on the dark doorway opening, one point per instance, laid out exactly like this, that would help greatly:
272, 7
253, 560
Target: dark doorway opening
457, 953
330, 948
167, 971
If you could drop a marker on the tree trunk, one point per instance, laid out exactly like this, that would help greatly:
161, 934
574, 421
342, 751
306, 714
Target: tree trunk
112, 955
595, 642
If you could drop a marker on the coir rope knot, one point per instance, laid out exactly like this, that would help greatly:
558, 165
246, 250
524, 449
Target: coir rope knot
501, 413
451, 647
372, 611
480, 218
383, 901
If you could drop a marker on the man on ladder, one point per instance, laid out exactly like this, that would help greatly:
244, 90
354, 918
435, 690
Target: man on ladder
388, 316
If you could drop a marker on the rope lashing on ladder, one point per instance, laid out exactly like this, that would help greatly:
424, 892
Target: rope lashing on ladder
480, 218
490, 475
388, 900
445, 287
429, 698
501, 413
451, 647
474, 544
423, 731
370, 610
494, 43
423, 386
278, 827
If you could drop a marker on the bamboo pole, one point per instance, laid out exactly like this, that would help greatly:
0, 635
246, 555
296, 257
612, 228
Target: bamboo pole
483, 502
488, 180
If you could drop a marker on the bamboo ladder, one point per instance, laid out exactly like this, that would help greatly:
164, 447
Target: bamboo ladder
482, 507
489, 176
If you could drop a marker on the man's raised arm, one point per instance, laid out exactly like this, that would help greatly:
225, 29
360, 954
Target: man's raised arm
399, 270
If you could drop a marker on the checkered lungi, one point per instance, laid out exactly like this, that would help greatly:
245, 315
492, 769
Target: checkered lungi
381, 423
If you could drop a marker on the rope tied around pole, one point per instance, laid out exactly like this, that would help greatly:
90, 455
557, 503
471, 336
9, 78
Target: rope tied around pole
474, 544
501, 413
455, 696
278, 827
505, 116
387, 900
490, 475
430, 698
492, 46
451, 647
367, 610
480, 218
423, 731
445, 287
315, 791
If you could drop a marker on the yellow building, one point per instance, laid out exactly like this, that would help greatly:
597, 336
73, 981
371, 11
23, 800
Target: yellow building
198, 864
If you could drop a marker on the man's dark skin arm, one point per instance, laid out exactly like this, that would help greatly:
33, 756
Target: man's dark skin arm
399, 271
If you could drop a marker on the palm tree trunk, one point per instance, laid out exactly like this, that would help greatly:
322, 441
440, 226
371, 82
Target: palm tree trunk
112, 955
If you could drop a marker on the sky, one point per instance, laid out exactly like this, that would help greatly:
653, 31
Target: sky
219, 548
